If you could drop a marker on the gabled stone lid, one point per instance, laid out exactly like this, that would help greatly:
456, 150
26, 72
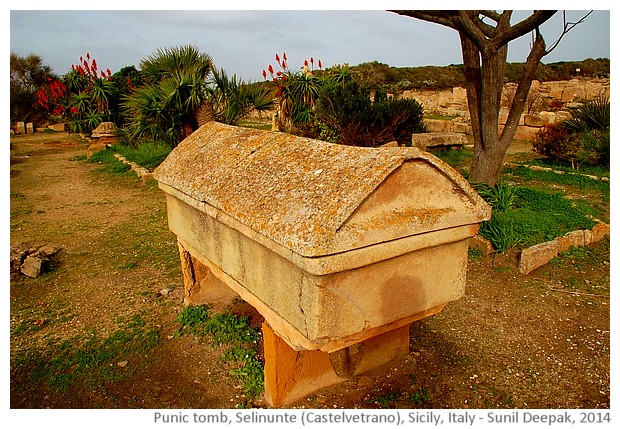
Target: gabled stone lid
318, 198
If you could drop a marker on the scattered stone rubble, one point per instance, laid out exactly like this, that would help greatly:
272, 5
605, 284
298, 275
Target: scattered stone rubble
31, 261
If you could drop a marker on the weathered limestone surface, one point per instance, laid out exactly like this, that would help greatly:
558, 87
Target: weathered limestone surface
538, 255
57, 127
332, 244
438, 140
104, 129
600, 231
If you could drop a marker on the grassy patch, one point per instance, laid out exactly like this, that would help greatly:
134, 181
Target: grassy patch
580, 259
256, 124
474, 254
460, 160
89, 362
534, 216
567, 168
143, 241
385, 400
578, 181
420, 397
235, 332
108, 161
148, 155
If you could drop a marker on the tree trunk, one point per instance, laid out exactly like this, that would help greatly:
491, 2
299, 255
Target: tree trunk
484, 75
485, 83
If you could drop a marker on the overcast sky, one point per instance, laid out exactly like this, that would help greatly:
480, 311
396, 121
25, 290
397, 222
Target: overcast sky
245, 42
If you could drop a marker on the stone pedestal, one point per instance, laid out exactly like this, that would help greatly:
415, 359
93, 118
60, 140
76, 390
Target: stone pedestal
291, 375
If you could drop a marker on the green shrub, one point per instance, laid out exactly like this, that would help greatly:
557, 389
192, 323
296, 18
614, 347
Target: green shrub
557, 143
593, 115
582, 140
350, 111
500, 232
501, 196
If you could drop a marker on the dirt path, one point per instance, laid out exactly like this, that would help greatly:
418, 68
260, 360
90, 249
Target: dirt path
116, 256
537, 341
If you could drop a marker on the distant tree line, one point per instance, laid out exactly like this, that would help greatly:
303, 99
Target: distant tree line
445, 77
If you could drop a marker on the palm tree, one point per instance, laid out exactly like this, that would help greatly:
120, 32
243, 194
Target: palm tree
232, 99
102, 91
175, 87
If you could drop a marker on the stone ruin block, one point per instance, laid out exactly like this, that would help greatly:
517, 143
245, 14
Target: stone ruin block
336, 246
438, 140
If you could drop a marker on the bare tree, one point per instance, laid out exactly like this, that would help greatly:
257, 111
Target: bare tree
484, 38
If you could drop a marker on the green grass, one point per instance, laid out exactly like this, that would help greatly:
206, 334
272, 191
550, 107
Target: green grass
257, 125
474, 254
90, 362
236, 333
420, 397
385, 400
567, 168
535, 216
108, 162
145, 241
460, 160
580, 258
148, 155
578, 181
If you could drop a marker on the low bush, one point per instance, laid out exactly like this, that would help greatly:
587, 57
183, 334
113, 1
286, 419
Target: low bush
582, 140
360, 119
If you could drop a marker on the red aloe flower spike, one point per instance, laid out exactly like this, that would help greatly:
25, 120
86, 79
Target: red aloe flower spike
277, 58
284, 56
312, 60
87, 55
320, 65
283, 64
94, 64
306, 63
264, 74
279, 74
270, 69
109, 72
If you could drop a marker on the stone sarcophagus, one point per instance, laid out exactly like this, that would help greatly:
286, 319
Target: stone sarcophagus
334, 245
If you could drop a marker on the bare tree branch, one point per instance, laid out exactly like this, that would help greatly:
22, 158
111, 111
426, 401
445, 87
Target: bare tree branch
521, 28
566, 28
438, 17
